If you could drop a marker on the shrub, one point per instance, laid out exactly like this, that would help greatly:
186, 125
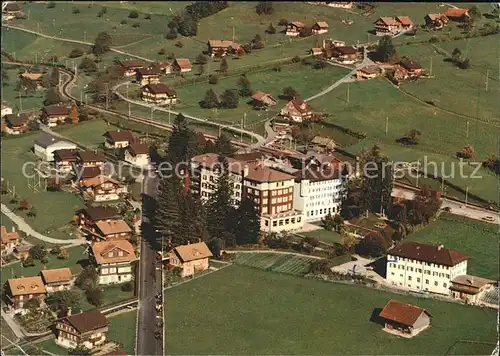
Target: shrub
213, 79
75, 53
76, 11
283, 22
147, 17
296, 59
28, 262
433, 39
172, 34
51, 5
123, 22
137, 24
179, 44
133, 14
128, 287
162, 51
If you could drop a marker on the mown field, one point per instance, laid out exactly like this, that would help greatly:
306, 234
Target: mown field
282, 263
10, 94
472, 238
273, 313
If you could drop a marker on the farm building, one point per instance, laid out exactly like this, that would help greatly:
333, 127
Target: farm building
294, 28
130, 66
320, 27
404, 319
149, 75
219, 48
182, 65
457, 15
436, 21
368, 72
470, 288
16, 124
297, 110
261, 99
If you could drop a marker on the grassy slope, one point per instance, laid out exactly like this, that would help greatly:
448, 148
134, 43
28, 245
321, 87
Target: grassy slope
11, 96
475, 239
267, 313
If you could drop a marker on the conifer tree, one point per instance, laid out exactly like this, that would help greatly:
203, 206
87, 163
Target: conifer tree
210, 101
247, 229
223, 145
168, 215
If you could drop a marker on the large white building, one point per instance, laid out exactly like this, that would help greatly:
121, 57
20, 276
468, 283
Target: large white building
47, 144
424, 268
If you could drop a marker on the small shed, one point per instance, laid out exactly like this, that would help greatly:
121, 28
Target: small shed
404, 319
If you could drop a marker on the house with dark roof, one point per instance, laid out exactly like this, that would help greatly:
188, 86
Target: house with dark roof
470, 289
436, 21
387, 26
89, 217
54, 115
404, 319
137, 154
46, 144
90, 159
294, 28
88, 329
263, 100
102, 188
130, 66
219, 48
344, 54
158, 94
412, 68
10, 11
118, 139
150, 75
424, 268
190, 258
182, 65
297, 110
320, 27
16, 124
65, 159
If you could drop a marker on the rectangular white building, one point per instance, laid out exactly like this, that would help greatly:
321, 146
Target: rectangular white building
424, 268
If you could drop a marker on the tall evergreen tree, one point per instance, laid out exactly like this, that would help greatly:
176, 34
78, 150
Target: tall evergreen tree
168, 215
192, 219
223, 145
210, 101
247, 229
182, 144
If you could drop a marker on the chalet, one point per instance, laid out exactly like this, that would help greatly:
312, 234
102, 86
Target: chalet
457, 15
10, 11
102, 188
35, 77
368, 72
404, 319
436, 21
16, 124
20, 290
405, 22
413, 69
320, 27
181, 65
54, 115
158, 94
469, 288
65, 159
294, 28
118, 139
113, 260
88, 329
236, 49
191, 258
130, 66
263, 100
6, 110
83, 174
346, 55
108, 230
45, 146
89, 159
87, 218
387, 26
324, 143
164, 67
400, 74
317, 51
297, 110
137, 154
57, 280
219, 48
149, 75
9, 240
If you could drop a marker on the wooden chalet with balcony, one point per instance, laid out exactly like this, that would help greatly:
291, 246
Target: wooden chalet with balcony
113, 260
158, 94
88, 329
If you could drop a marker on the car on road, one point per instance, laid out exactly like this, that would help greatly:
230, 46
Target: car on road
489, 218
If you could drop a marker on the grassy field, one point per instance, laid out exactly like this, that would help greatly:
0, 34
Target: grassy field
475, 239
283, 314
54, 209
88, 133
289, 264
6, 333
329, 237
11, 96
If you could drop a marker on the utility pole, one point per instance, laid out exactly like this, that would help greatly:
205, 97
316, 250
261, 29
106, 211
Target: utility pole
487, 75
347, 93
169, 109
418, 172
241, 130
54, 23
84, 36
38, 27
386, 124
245, 119
233, 33
107, 94
442, 185
430, 70
81, 97
129, 109
466, 195
127, 90
29, 13
467, 131
20, 102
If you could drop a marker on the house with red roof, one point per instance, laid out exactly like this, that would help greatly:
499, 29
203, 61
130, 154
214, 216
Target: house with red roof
403, 319
297, 110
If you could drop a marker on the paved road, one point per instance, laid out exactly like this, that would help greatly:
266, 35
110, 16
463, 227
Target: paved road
457, 208
149, 279
24, 226
73, 41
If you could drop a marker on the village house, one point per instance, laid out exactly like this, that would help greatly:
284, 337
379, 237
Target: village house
412, 68
191, 258
436, 21
16, 124
346, 55
20, 290
181, 65
83, 174
150, 75
22, 251
294, 28
403, 319
158, 94
6, 110
330, 44
297, 110
102, 188
137, 154
424, 268
236, 49
130, 66
54, 115
118, 139
219, 48
90, 159
88, 329
108, 230
11, 11
387, 26
368, 72
406, 22
113, 260
45, 146
57, 280
65, 159
35, 77
9, 240
316, 51
263, 100
87, 218
469, 288
457, 14
320, 27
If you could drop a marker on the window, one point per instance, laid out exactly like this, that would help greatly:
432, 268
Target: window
409, 278
204, 178
426, 281
293, 220
264, 201
419, 270
298, 219
264, 193
392, 273
401, 275
448, 276
266, 222
275, 223
273, 193
281, 222
418, 279
280, 200
411, 269
264, 210
273, 201
289, 190
287, 221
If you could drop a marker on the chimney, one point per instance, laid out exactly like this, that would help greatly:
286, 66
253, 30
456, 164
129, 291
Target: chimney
68, 312
440, 247
245, 170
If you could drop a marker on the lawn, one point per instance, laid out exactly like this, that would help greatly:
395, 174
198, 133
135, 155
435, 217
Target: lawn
77, 258
282, 263
54, 209
273, 313
88, 133
6, 333
11, 96
329, 237
472, 238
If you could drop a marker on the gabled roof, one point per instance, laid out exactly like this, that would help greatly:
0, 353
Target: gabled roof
89, 156
322, 24
119, 136
434, 17
373, 69
410, 64
344, 50
87, 321
88, 172
100, 250
132, 63
456, 12
153, 70
12, 7
56, 110
405, 20
98, 180
159, 89
260, 95
66, 154
401, 313
220, 43
16, 119
113, 227
299, 105
297, 24
7, 237
138, 148
45, 140
56, 275
471, 281
193, 252
428, 253
183, 63
26, 285
259, 173
101, 213
388, 21
31, 76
